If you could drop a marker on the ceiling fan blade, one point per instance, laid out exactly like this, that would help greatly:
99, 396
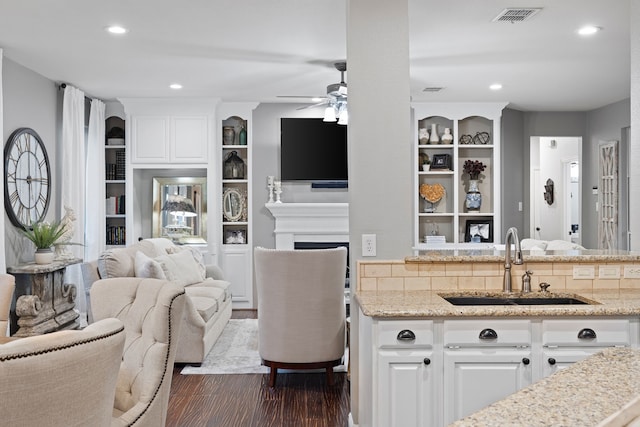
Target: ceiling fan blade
301, 96
313, 105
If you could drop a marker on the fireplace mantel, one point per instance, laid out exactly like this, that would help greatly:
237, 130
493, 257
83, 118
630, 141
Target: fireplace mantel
309, 222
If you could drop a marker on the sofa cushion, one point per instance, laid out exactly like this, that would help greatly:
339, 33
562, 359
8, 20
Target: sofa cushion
148, 267
120, 262
219, 284
206, 299
205, 306
197, 256
180, 267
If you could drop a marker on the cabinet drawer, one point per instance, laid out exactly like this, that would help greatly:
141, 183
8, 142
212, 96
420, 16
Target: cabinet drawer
389, 332
608, 332
508, 333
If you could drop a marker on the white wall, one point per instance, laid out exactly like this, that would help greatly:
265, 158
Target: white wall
550, 163
634, 152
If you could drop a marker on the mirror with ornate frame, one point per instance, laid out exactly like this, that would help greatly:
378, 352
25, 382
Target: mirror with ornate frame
234, 205
180, 209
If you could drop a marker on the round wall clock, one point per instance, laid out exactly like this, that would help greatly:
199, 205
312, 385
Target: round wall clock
27, 184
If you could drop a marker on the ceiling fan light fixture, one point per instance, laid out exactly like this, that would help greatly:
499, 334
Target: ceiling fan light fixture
344, 117
329, 114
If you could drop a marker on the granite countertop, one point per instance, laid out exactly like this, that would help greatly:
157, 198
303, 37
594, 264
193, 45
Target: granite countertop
394, 304
600, 390
494, 255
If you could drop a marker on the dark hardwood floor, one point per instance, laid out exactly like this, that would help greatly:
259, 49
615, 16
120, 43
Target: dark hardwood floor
300, 400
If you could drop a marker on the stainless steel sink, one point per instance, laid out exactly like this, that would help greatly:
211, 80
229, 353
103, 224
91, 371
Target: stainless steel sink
519, 299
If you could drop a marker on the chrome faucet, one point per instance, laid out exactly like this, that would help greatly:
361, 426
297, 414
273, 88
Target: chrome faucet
511, 237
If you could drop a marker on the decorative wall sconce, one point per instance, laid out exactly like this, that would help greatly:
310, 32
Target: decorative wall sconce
548, 192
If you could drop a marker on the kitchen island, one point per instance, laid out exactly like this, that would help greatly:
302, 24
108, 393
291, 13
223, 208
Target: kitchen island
601, 390
421, 360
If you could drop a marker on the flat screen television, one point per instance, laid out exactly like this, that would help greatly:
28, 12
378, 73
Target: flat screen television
313, 150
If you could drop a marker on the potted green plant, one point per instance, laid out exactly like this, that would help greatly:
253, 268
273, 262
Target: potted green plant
44, 235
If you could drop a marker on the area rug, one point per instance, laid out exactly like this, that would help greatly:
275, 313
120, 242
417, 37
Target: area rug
236, 352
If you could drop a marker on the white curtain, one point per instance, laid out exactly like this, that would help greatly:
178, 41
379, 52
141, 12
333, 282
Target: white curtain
72, 191
3, 266
94, 239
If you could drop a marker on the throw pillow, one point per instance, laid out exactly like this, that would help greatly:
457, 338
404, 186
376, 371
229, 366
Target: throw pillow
180, 267
197, 256
147, 267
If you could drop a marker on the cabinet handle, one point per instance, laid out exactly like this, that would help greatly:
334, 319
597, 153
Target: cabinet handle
488, 334
525, 360
427, 361
587, 334
551, 361
406, 335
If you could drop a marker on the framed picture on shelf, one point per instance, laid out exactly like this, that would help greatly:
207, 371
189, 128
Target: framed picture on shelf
479, 230
237, 237
441, 161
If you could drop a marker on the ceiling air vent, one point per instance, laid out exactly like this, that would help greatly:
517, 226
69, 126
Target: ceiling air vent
516, 14
432, 89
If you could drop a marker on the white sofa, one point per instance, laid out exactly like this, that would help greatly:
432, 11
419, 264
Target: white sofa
208, 302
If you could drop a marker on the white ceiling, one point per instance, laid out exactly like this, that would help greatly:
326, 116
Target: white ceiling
256, 50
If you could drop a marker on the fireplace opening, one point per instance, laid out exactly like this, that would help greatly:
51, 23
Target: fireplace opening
329, 245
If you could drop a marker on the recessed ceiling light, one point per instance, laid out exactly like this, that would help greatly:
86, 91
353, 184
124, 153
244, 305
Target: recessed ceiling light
495, 86
117, 29
588, 30
175, 86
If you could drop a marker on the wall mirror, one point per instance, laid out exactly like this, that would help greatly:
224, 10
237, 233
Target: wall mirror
180, 209
234, 205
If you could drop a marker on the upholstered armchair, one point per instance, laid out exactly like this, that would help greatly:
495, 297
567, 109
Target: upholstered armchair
301, 308
61, 379
151, 310
7, 285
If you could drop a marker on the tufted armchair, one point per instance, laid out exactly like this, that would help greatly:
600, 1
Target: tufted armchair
61, 379
301, 309
151, 310
7, 285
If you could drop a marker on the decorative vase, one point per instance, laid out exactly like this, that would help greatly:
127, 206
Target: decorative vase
228, 135
242, 136
423, 136
426, 167
473, 199
44, 256
447, 138
433, 136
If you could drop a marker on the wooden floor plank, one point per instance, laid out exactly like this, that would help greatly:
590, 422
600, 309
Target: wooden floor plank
299, 399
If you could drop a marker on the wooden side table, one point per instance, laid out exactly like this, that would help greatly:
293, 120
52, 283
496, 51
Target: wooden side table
42, 301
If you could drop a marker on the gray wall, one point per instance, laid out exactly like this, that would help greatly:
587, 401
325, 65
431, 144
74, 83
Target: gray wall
518, 127
30, 100
513, 163
266, 162
603, 124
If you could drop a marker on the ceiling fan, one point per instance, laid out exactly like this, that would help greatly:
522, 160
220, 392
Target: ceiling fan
336, 99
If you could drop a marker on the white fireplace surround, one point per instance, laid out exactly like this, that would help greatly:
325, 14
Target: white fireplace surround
309, 222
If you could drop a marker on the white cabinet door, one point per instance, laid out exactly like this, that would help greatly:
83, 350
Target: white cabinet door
475, 378
236, 265
149, 139
405, 392
556, 359
189, 139
169, 139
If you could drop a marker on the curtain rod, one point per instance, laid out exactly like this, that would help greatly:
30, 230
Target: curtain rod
64, 85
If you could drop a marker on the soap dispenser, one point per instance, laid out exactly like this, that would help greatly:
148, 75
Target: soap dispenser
526, 281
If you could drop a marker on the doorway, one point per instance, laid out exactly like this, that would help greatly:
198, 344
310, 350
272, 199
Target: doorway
555, 189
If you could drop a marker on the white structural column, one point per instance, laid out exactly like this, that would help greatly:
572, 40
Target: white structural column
634, 149
3, 265
380, 144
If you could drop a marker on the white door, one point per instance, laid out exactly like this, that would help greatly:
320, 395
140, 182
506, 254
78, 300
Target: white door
405, 389
475, 378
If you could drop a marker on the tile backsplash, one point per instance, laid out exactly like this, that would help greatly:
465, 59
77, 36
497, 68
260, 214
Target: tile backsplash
398, 275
